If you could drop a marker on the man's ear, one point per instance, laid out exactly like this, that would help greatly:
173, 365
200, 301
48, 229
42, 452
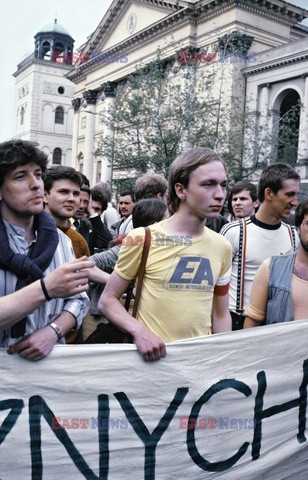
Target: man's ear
256, 204
45, 200
180, 191
268, 194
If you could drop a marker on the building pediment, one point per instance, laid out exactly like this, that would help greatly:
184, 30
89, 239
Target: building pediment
125, 19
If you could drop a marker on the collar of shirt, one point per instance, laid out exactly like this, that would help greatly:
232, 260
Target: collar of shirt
73, 225
17, 237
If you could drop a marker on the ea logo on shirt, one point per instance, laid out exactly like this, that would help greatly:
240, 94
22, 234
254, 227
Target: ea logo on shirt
189, 273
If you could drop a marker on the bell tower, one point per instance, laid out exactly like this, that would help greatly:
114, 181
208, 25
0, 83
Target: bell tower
53, 42
43, 95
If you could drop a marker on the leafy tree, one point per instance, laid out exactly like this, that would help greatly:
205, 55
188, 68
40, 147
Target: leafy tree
166, 107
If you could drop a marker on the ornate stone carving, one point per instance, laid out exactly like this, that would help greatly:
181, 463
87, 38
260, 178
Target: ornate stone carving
90, 96
23, 91
48, 87
109, 89
76, 104
235, 42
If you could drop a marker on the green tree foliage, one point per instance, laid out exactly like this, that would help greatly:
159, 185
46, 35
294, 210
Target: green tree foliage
163, 109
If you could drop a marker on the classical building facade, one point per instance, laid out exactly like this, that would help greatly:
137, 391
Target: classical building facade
276, 82
131, 33
43, 95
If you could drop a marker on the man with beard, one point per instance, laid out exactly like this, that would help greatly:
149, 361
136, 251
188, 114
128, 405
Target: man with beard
280, 288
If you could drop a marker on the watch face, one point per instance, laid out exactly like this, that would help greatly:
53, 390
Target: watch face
131, 22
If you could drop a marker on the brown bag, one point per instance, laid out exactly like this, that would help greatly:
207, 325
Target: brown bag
109, 333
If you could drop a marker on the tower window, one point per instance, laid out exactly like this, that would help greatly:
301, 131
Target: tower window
61, 90
59, 115
46, 50
57, 155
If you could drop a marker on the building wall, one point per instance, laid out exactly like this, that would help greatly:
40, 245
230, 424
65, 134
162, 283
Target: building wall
273, 75
40, 88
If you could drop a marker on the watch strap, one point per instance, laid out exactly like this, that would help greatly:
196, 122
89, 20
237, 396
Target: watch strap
55, 327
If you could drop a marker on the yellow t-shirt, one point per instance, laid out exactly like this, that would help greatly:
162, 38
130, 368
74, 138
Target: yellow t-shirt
180, 276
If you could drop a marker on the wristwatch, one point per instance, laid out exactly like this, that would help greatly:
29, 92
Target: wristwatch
55, 327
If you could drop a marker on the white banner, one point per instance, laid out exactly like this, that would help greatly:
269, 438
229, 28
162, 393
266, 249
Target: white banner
229, 406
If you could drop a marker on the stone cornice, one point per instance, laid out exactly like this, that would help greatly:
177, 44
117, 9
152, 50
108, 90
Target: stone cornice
277, 10
45, 63
274, 63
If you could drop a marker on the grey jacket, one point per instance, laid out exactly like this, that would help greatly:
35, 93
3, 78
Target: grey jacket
279, 306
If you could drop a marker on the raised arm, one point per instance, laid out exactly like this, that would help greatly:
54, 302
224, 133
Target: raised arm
67, 280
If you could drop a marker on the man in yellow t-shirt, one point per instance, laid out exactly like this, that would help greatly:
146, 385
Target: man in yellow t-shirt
185, 287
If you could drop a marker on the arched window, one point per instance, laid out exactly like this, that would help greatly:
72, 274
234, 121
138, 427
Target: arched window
80, 161
46, 50
59, 47
57, 155
289, 116
59, 115
22, 115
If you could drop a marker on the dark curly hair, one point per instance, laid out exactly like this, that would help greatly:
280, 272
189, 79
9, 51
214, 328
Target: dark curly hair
14, 153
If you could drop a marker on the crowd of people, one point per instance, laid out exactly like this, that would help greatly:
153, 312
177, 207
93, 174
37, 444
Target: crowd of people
69, 258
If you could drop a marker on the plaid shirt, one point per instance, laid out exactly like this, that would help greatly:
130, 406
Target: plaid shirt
77, 305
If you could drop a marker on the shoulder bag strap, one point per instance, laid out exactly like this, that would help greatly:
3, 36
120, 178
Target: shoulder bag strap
141, 271
140, 274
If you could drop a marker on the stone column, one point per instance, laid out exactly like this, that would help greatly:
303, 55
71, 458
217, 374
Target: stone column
76, 102
302, 163
303, 127
109, 90
264, 130
88, 167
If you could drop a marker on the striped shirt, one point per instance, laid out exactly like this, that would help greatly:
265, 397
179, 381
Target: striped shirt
262, 241
77, 305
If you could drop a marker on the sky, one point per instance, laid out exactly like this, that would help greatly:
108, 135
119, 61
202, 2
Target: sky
22, 19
